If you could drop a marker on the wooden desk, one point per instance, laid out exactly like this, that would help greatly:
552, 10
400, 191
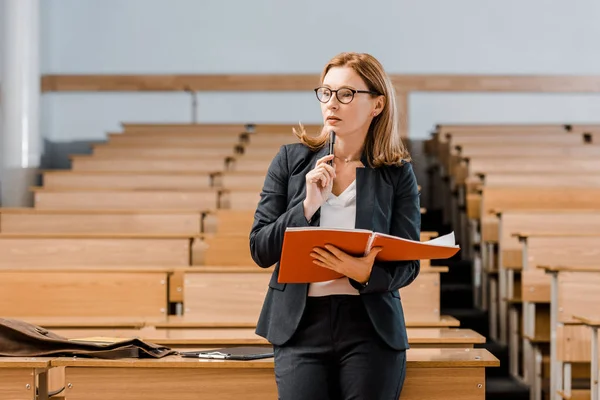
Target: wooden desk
431, 374
18, 377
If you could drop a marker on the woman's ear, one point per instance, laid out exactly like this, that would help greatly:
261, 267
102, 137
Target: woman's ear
379, 104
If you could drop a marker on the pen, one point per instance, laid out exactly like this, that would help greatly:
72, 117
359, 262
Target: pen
331, 143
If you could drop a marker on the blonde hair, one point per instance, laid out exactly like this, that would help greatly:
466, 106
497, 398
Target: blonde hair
383, 144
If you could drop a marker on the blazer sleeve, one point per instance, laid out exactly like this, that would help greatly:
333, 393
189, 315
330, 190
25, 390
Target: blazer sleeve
272, 217
406, 223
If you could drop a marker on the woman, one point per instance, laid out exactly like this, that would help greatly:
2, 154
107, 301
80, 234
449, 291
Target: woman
346, 338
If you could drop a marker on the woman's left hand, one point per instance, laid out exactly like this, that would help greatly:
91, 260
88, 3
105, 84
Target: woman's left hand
357, 268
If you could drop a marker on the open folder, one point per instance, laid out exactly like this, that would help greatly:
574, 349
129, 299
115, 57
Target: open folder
232, 353
296, 265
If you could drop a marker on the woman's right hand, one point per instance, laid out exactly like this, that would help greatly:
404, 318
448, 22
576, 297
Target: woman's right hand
319, 182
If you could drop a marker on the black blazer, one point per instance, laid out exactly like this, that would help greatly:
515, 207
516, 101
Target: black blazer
387, 201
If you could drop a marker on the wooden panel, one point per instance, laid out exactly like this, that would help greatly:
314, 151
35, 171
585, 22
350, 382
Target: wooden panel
233, 298
240, 199
212, 82
125, 200
176, 383
240, 181
573, 179
14, 381
444, 383
63, 252
226, 250
149, 164
120, 138
167, 128
258, 165
536, 150
563, 250
573, 343
577, 294
489, 229
259, 384
303, 82
273, 140
522, 198
421, 299
526, 164
157, 180
228, 222
535, 286
37, 293
118, 151
204, 128
106, 222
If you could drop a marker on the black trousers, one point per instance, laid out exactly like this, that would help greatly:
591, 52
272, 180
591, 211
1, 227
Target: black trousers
336, 355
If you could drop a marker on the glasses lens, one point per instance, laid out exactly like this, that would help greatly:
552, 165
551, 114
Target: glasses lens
323, 94
345, 95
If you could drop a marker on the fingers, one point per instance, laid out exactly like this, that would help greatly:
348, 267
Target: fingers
323, 160
339, 254
373, 253
323, 173
324, 257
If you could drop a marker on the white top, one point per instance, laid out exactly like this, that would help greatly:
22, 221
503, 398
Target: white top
337, 212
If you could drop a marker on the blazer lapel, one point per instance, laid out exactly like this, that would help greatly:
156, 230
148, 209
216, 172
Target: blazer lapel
365, 197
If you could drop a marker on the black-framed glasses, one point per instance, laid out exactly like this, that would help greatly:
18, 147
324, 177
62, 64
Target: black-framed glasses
344, 95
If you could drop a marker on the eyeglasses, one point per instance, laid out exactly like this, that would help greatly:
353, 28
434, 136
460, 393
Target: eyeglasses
344, 95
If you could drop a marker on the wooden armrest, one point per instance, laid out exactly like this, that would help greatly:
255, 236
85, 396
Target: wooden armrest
436, 269
569, 268
525, 235
589, 320
537, 339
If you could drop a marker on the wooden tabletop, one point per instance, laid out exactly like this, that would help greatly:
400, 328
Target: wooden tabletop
84, 322
416, 358
247, 336
25, 362
42, 235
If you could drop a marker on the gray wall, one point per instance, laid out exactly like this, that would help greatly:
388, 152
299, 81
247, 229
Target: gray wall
264, 36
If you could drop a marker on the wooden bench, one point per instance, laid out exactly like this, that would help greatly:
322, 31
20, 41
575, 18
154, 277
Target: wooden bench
138, 292
239, 180
204, 128
123, 199
80, 250
38, 221
24, 378
496, 198
502, 250
149, 164
131, 180
172, 139
570, 178
111, 150
574, 291
524, 164
208, 299
592, 321
431, 374
534, 287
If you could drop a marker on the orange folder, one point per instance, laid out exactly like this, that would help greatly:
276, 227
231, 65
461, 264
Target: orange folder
296, 265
